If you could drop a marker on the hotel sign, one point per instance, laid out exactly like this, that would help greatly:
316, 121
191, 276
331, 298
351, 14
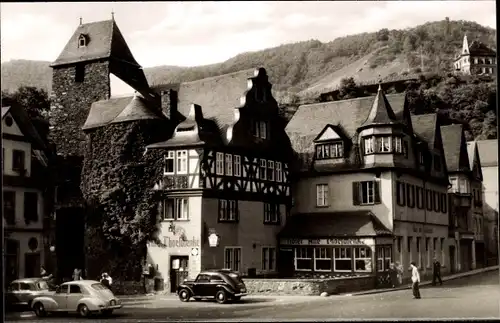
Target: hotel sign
328, 242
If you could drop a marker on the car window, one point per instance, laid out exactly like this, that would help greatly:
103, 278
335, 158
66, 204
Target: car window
99, 286
216, 278
74, 289
14, 287
62, 289
203, 278
236, 277
43, 285
26, 286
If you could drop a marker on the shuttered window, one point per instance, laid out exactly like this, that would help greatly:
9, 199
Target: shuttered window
444, 202
410, 195
366, 193
437, 206
428, 200
419, 196
401, 193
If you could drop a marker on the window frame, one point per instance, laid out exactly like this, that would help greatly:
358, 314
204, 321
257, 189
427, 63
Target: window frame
279, 170
369, 145
232, 262
18, 160
228, 210
219, 163
229, 164
398, 144
181, 162
263, 169
367, 256
237, 165
169, 156
342, 258
9, 196
270, 170
322, 194
307, 253
381, 140
268, 262
175, 208
361, 200
328, 252
31, 201
272, 214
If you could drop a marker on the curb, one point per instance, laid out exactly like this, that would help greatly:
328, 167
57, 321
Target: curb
426, 283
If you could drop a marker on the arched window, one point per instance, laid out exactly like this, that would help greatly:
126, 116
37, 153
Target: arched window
82, 41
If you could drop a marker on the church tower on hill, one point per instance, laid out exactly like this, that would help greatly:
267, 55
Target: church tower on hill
476, 59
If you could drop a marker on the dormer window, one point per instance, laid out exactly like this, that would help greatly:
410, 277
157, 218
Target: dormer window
330, 150
82, 41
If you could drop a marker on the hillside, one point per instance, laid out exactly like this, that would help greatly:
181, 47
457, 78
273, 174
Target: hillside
310, 67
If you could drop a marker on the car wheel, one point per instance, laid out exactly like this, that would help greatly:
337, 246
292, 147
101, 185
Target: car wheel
221, 296
40, 310
184, 295
107, 312
83, 310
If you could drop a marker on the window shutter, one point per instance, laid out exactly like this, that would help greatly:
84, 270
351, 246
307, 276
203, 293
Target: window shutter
444, 203
376, 192
355, 193
412, 195
398, 193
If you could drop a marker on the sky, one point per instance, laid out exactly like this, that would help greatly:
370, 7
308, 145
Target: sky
200, 33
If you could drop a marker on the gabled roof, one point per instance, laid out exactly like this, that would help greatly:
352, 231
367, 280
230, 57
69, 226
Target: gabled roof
479, 48
336, 129
455, 148
119, 109
381, 112
309, 120
218, 96
333, 225
488, 152
474, 158
26, 126
425, 126
104, 40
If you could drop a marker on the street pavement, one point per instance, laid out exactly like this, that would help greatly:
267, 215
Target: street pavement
475, 296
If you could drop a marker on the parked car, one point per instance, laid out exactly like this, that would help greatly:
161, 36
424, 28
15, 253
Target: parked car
21, 292
221, 284
82, 296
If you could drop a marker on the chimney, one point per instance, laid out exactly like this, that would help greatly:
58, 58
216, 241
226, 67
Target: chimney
169, 105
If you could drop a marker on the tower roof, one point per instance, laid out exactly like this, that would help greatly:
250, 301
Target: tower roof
381, 112
102, 39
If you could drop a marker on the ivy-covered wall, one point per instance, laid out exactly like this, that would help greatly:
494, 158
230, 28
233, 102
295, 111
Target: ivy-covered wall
117, 181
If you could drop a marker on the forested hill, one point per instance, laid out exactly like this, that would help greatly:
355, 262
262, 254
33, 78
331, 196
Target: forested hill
309, 67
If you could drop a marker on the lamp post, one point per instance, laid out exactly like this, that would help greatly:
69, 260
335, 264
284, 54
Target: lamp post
213, 242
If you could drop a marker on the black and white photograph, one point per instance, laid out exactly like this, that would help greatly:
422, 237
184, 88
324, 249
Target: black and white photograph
253, 161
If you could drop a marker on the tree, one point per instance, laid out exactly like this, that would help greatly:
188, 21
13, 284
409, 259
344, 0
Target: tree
348, 88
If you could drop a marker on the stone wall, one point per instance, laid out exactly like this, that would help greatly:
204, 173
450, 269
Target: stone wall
309, 286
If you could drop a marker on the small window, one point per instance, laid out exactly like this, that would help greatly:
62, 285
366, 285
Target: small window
278, 172
270, 170
368, 142
322, 195
79, 73
228, 210
219, 164
169, 163
271, 213
74, 289
229, 164
263, 169
18, 160
237, 165
82, 41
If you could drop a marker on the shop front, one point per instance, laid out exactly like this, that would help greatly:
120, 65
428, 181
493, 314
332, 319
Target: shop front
332, 246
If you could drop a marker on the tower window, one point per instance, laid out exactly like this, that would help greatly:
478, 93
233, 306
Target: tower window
82, 41
79, 73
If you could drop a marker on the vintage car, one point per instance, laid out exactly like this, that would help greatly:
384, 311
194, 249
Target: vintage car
21, 292
221, 284
82, 296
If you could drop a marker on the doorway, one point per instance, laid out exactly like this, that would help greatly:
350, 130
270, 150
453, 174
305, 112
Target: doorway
31, 265
179, 271
286, 264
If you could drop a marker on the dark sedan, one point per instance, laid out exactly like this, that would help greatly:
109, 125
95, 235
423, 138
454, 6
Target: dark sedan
21, 292
222, 285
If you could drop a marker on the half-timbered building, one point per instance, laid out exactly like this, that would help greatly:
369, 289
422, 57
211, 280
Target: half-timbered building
371, 189
226, 174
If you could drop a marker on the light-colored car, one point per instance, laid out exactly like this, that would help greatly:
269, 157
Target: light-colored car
22, 291
82, 296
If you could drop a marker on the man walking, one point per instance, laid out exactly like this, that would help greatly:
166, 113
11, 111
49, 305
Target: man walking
436, 272
415, 278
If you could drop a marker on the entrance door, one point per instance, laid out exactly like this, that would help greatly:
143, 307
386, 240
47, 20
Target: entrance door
31, 265
286, 265
452, 259
178, 271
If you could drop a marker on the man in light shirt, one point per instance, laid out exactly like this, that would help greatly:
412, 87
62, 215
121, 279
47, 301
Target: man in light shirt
415, 278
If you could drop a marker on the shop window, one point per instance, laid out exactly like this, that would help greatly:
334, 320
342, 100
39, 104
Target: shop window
271, 213
268, 258
237, 165
343, 259
232, 258
228, 210
322, 195
322, 259
384, 257
303, 259
175, 209
363, 259
229, 164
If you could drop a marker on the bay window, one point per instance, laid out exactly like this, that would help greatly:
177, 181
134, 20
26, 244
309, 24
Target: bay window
398, 144
368, 142
384, 144
343, 259
303, 259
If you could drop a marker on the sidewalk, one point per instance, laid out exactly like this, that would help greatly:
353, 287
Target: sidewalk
425, 283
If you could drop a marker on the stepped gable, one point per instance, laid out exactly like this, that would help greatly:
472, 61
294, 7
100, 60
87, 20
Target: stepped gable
381, 112
104, 40
454, 146
119, 109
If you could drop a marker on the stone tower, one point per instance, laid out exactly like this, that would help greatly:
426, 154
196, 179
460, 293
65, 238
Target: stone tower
81, 76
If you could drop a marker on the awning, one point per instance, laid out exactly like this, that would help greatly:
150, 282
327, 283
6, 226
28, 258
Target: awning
334, 225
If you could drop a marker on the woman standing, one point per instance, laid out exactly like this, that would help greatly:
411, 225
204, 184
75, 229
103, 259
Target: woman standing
393, 275
399, 269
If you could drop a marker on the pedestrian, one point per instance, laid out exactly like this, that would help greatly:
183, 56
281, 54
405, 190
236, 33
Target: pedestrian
393, 275
399, 269
106, 280
44, 273
436, 272
415, 278
77, 274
